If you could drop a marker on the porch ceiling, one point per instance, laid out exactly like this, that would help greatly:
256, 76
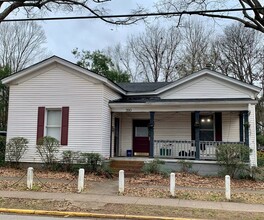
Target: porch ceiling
181, 105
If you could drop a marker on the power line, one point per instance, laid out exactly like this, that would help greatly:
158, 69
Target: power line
201, 12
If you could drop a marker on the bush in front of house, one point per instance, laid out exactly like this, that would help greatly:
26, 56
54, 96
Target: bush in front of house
260, 158
94, 163
47, 148
232, 158
155, 167
91, 162
15, 149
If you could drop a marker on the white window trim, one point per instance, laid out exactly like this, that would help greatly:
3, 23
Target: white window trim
51, 126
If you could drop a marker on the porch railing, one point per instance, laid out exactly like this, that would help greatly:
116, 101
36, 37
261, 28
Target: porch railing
174, 149
187, 149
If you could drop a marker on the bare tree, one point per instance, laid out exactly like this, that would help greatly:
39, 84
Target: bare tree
33, 7
240, 53
21, 44
253, 18
196, 48
122, 57
156, 50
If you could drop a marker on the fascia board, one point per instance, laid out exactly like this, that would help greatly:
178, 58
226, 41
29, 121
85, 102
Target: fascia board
230, 102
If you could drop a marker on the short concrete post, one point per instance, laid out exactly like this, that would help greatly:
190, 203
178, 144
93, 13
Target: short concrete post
172, 184
227, 187
121, 186
30, 177
81, 180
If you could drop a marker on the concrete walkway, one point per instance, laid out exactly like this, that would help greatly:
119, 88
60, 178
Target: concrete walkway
97, 200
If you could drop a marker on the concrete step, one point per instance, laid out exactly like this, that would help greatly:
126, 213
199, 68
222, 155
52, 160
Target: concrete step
131, 168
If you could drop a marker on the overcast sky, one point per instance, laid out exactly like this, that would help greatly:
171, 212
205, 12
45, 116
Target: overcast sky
65, 35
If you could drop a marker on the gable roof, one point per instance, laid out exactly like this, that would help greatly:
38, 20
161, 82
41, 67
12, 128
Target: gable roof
193, 76
55, 59
143, 87
129, 89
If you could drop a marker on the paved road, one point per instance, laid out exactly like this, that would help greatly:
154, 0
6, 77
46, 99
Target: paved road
33, 217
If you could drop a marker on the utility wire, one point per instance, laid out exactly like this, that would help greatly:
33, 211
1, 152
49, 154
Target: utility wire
200, 12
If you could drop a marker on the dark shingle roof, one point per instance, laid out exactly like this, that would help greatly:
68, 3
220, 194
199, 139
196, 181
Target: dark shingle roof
142, 87
152, 99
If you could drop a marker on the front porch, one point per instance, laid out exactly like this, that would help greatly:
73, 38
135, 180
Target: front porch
177, 135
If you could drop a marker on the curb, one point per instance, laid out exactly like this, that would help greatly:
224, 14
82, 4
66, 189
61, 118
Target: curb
86, 214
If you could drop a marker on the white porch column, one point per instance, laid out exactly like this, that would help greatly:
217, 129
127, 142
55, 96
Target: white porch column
252, 135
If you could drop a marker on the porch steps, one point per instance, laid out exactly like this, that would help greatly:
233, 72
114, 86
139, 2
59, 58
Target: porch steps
131, 168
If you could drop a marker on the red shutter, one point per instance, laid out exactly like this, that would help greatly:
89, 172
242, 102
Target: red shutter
64, 125
41, 122
218, 126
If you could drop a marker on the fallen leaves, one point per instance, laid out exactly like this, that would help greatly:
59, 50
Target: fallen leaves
193, 180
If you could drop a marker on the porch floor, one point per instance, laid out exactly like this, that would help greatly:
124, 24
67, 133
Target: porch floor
167, 160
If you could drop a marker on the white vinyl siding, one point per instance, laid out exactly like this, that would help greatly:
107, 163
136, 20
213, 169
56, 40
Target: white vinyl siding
172, 126
230, 126
214, 89
106, 120
54, 89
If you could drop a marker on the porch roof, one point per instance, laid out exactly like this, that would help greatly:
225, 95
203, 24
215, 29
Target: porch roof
156, 104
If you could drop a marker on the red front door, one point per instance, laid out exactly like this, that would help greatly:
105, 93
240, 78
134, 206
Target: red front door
141, 137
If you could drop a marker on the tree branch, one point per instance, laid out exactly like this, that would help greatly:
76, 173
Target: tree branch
246, 23
71, 3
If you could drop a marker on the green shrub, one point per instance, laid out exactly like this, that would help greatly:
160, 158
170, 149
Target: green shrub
252, 173
105, 170
155, 167
70, 160
47, 149
260, 139
185, 166
94, 163
91, 161
260, 156
15, 149
232, 158
2, 150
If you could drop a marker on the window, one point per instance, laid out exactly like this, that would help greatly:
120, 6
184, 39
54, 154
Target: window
141, 131
207, 127
53, 124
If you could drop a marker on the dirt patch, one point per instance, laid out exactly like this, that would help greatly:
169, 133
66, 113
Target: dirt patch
200, 188
130, 209
45, 181
193, 180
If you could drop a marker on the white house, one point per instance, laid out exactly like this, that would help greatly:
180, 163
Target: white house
184, 119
